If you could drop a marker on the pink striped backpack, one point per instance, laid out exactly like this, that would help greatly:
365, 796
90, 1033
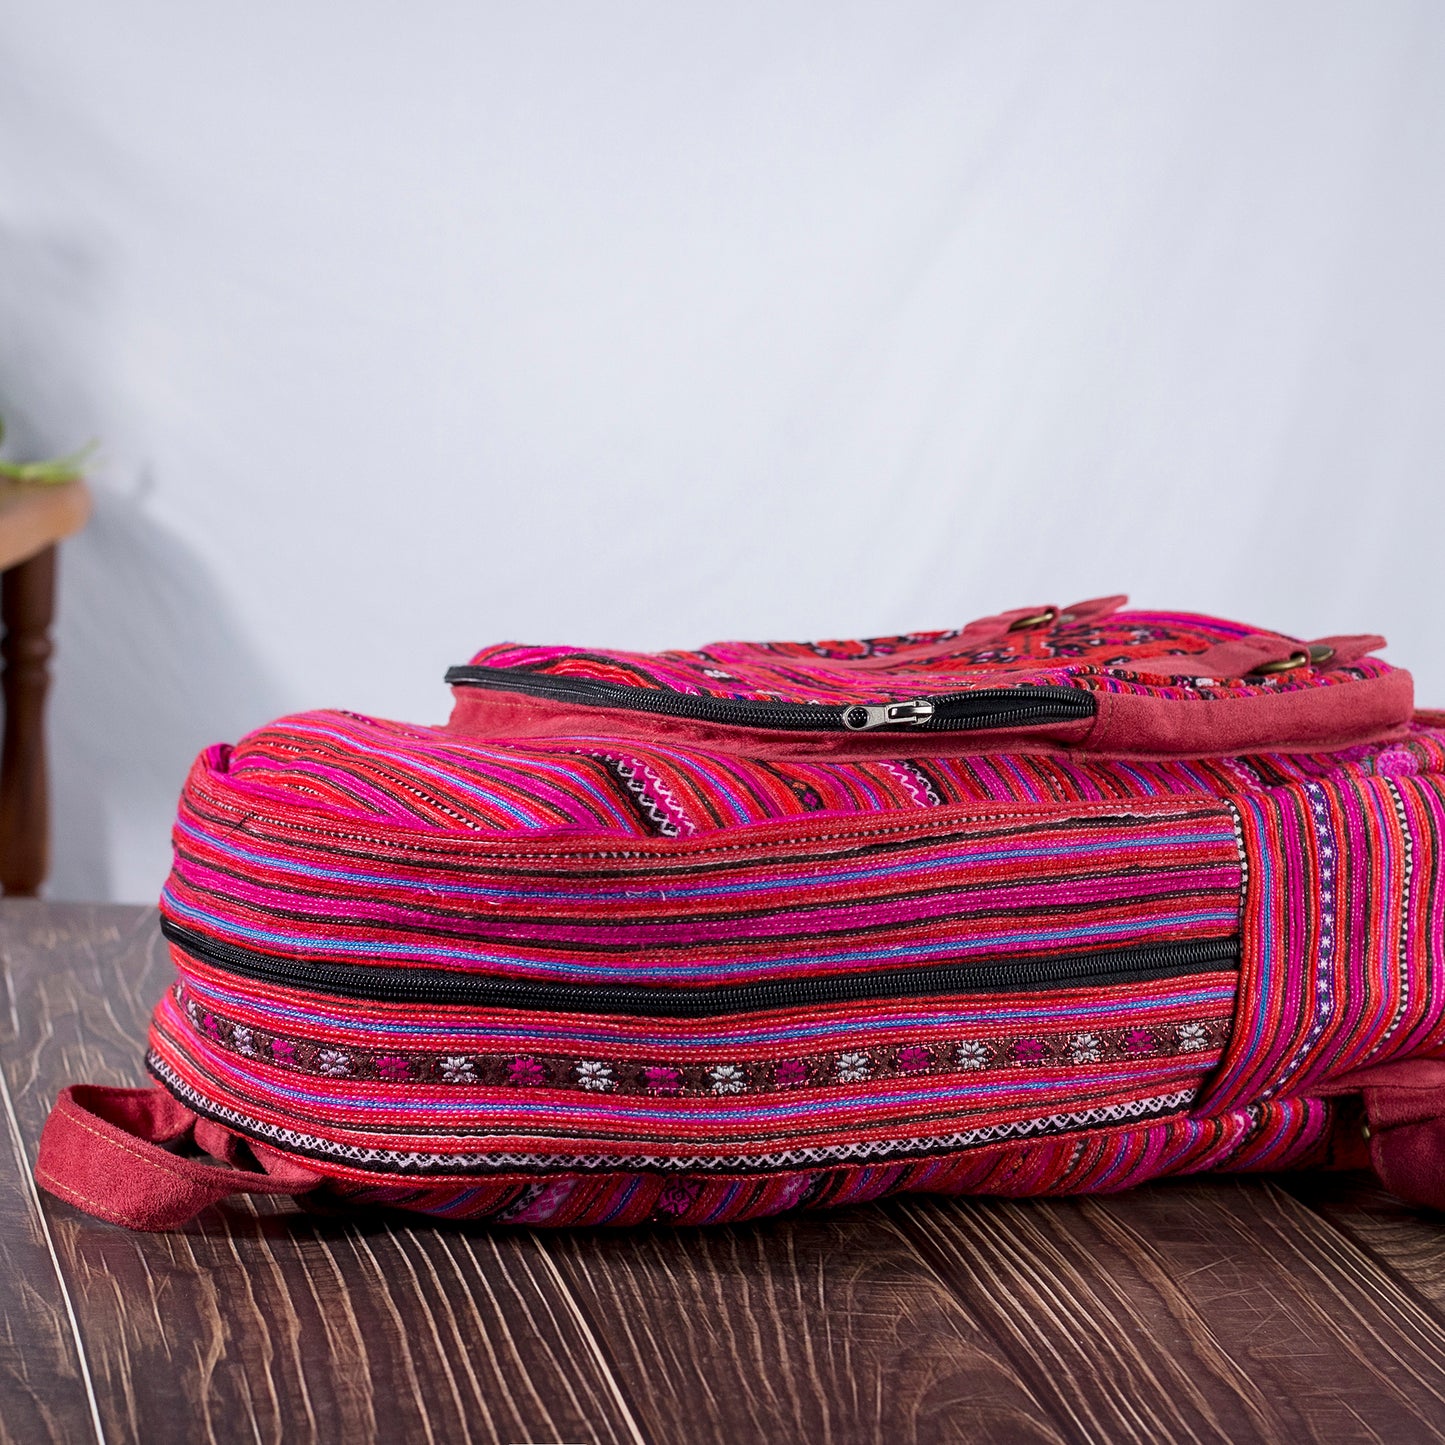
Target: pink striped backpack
1062, 900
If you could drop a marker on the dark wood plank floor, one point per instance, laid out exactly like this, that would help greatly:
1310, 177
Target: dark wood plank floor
1288, 1310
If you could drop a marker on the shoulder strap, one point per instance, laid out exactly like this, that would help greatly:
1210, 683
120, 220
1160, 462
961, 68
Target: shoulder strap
102, 1150
1404, 1125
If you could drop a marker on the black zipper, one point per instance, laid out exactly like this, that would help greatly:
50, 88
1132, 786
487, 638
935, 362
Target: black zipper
383, 983
993, 707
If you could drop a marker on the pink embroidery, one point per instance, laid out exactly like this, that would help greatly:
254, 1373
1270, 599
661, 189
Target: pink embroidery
662, 1080
526, 1072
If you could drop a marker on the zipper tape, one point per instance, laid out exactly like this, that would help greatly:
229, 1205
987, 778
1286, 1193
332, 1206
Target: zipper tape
384, 983
993, 707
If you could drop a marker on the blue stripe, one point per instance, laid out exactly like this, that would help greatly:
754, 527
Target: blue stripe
631, 895
422, 953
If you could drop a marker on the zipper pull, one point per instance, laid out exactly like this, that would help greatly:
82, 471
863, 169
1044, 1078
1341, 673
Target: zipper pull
889, 715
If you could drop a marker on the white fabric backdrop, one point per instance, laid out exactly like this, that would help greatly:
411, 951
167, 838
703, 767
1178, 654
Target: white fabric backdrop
408, 328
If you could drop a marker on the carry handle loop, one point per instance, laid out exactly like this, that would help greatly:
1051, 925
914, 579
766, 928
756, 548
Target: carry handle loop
101, 1150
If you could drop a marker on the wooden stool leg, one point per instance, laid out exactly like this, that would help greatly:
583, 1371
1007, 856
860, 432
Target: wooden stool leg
27, 605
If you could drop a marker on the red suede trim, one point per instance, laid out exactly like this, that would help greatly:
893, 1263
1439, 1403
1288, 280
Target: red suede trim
1351, 648
1410, 1159
1405, 1106
1316, 719
1236, 658
1313, 719
1244, 655
514, 715
101, 1151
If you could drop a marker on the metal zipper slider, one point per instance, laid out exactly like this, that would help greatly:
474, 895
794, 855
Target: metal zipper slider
888, 715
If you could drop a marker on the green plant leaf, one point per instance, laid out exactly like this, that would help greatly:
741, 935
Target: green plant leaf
50, 473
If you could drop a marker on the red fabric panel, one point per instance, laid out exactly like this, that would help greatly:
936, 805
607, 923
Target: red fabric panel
1127, 725
484, 714
1311, 720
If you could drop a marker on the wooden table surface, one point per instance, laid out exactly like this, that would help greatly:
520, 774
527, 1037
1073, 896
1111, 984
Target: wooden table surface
1228, 1309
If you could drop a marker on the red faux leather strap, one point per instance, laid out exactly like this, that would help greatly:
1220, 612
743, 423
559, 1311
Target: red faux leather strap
1242, 655
983, 630
1405, 1109
101, 1151
1405, 1105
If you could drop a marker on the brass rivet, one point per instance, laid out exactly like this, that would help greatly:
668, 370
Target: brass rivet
1283, 664
1034, 619
1320, 653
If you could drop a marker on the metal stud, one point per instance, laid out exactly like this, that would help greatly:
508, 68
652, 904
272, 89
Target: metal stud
1034, 619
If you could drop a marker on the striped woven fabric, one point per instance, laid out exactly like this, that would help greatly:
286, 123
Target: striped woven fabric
585, 978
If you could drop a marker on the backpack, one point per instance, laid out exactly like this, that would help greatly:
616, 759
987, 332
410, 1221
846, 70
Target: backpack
1058, 901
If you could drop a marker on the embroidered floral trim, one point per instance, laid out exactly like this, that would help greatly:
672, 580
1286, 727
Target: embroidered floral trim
594, 1074
728, 1078
1192, 1037
394, 1160
661, 1079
